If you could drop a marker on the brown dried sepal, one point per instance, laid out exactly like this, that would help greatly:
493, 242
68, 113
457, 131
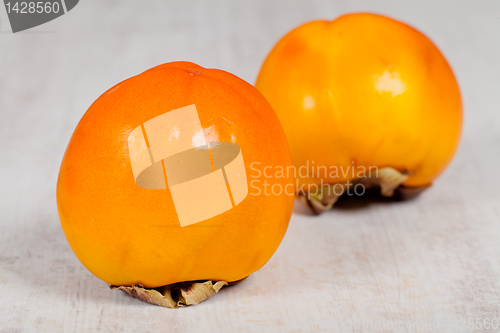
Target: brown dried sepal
388, 179
175, 295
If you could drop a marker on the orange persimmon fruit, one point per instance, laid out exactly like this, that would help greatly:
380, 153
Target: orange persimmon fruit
135, 198
363, 91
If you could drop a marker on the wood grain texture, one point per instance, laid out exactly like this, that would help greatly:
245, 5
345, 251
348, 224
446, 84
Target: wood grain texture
435, 258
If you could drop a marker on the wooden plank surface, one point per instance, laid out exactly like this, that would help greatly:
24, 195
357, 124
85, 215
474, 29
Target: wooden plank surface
435, 259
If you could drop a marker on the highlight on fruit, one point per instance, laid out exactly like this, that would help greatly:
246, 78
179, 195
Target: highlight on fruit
363, 91
153, 192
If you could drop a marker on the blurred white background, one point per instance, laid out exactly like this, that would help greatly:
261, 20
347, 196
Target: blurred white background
435, 258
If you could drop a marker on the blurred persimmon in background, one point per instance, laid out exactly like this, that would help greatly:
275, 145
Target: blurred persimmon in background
184, 127
364, 91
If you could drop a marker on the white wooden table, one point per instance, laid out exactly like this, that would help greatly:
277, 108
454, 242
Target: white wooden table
431, 260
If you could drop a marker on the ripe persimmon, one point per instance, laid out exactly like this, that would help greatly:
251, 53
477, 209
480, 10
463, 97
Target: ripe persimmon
153, 187
360, 92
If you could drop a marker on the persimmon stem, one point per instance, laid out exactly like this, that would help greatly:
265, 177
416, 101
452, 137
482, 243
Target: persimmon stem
387, 178
175, 295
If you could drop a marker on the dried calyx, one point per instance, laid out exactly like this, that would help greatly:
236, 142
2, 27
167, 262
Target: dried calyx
388, 179
175, 295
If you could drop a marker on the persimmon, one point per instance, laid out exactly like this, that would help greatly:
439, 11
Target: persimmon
364, 91
153, 187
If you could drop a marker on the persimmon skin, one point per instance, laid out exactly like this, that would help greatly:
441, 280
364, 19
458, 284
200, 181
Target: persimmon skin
364, 91
128, 235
